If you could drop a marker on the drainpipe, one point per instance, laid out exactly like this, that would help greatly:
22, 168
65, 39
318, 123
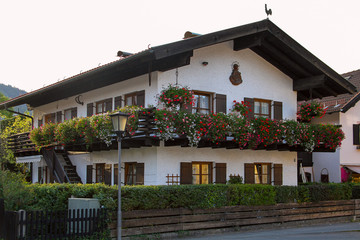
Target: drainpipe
19, 113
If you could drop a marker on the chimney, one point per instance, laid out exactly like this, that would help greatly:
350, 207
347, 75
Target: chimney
123, 54
189, 34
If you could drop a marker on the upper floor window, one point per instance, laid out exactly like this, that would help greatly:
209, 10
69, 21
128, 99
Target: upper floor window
202, 103
262, 108
70, 113
104, 106
135, 99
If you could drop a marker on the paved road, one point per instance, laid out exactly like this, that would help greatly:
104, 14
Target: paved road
331, 231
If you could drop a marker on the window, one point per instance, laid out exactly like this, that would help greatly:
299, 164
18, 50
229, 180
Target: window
262, 108
135, 99
262, 173
202, 103
50, 118
103, 173
134, 173
201, 173
104, 106
70, 113
356, 138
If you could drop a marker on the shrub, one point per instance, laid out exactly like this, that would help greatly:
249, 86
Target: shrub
286, 194
248, 195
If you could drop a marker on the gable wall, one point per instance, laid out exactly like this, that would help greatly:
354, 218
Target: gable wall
260, 78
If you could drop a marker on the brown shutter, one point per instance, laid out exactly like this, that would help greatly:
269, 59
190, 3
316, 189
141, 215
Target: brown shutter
107, 174
220, 103
278, 110
140, 98
74, 112
220, 169
185, 173
89, 172
40, 122
59, 117
278, 174
249, 173
116, 173
118, 102
90, 109
139, 174
251, 102
108, 105
39, 174
356, 140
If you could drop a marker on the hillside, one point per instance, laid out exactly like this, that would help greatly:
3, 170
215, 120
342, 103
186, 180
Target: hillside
11, 92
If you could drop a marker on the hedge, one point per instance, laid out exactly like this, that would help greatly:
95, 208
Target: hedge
55, 196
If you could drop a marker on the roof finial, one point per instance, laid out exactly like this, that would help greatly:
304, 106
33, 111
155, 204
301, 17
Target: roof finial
268, 12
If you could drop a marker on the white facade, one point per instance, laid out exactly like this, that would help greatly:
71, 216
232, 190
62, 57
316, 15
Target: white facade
347, 154
260, 80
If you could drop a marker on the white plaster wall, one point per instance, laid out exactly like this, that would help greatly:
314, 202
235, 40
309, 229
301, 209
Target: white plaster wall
349, 155
329, 161
260, 78
140, 155
169, 159
114, 90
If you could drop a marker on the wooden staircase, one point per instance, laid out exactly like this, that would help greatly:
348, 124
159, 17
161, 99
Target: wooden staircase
61, 172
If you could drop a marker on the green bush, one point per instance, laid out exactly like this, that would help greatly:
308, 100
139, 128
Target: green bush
19, 195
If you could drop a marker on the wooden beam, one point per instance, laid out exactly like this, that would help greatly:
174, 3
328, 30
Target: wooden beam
309, 83
329, 90
284, 59
247, 42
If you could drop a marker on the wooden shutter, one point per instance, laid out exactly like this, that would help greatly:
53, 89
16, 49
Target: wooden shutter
278, 110
251, 102
59, 117
116, 173
278, 174
108, 105
118, 102
74, 112
90, 109
89, 174
220, 169
139, 174
356, 140
107, 174
249, 173
39, 174
185, 173
140, 98
220, 103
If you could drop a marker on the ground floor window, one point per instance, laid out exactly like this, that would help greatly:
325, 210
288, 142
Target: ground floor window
201, 173
103, 173
262, 173
134, 173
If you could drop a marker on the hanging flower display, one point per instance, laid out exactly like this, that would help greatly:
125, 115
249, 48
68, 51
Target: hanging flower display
175, 96
310, 110
243, 108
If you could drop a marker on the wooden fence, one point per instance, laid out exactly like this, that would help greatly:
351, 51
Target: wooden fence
68, 224
180, 221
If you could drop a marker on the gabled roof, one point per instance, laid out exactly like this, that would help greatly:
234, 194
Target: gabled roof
343, 102
312, 78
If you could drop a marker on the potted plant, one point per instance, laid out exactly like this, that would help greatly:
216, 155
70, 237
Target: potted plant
310, 110
176, 96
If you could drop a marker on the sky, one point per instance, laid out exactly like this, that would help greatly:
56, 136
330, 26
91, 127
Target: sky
45, 41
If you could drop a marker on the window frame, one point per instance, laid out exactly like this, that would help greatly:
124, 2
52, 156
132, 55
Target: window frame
260, 114
133, 96
210, 172
102, 174
103, 102
71, 113
260, 176
196, 109
133, 173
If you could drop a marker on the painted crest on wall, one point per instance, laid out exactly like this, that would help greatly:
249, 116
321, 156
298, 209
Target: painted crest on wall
235, 77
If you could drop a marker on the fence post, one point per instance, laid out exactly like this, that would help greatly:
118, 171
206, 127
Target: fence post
2, 215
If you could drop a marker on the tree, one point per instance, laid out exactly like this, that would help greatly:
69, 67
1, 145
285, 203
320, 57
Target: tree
11, 126
4, 113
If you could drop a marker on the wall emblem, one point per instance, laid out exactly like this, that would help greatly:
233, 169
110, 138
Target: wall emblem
235, 77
